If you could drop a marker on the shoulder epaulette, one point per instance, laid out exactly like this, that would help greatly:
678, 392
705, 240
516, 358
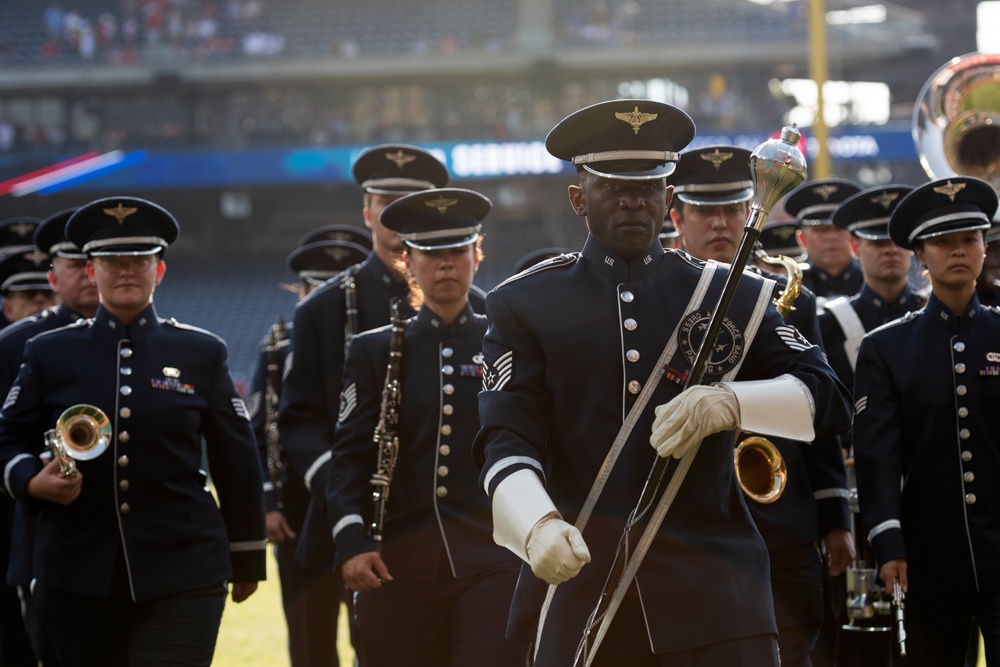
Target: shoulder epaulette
565, 259
187, 327
910, 316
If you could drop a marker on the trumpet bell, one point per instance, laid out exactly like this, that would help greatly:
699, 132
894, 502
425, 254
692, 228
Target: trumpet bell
85, 431
956, 120
760, 469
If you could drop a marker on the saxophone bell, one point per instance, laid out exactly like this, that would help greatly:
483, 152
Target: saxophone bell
81, 433
760, 469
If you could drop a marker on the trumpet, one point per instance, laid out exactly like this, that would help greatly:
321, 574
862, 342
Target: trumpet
81, 433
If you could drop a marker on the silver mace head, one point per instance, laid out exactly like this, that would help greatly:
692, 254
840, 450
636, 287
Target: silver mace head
777, 166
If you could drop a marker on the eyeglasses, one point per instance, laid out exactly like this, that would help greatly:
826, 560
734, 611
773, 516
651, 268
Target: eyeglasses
118, 263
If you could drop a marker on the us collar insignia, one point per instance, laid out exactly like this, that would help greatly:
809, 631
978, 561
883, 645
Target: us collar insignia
636, 118
23, 228
825, 191
716, 158
885, 199
36, 257
120, 213
171, 372
950, 189
400, 158
441, 204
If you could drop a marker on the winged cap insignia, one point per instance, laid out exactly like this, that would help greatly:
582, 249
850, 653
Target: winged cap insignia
338, 236
716, 158
441, 204
636, 118
400, 158
950, 189
885, 199
23, 228
36, 257
121, 212
784, 233
337, 254
825, 191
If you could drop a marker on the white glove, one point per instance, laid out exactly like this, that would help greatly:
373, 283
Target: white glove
696, 413
556, 550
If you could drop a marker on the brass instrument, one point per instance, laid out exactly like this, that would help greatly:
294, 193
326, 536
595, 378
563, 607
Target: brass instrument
385, 432
81, 433
760, 467
956, 120
272, 399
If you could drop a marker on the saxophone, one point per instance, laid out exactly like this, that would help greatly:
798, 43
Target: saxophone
385, 437
272, 399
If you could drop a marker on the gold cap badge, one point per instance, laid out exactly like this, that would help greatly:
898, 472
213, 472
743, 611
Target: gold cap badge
825, 191
636, 118
120, 213
441, 204
400, 158
885, 199
950, 189
716, 158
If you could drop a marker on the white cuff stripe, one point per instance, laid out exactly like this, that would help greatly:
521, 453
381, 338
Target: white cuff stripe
823, 494
10, 466
348, 520
314, 468
882, 527
253, 545
502, 464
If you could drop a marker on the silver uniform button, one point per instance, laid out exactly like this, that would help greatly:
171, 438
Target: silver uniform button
963, 412
447, 370
441, 491
123, 485
122, 461
125, 370
442, 471
125, 390
631, 324
448, 409
634, 387
966, 455
969, 476
125, 509
961, 390
964, 434
126, 352
125, 413
446, 429
445, 450
632, 355
959, 368
448, 389
970, 499
447, 352
628, 297
124, 436
960, 346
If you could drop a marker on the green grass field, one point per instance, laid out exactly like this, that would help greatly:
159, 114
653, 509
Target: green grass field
253, 633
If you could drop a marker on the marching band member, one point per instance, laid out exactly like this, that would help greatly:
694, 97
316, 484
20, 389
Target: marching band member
438, 587
132, 553
927, 434
570, 355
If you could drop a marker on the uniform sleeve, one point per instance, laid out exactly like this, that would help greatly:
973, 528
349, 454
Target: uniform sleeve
512, 406
235, 468
312, 388
355, 456
22, 430
258, 422
877, 436
828, 477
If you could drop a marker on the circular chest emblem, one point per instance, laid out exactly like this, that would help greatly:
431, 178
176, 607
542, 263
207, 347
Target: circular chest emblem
728, 346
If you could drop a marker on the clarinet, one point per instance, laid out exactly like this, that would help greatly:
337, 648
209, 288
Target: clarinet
350, 286
385, 437
272, 398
